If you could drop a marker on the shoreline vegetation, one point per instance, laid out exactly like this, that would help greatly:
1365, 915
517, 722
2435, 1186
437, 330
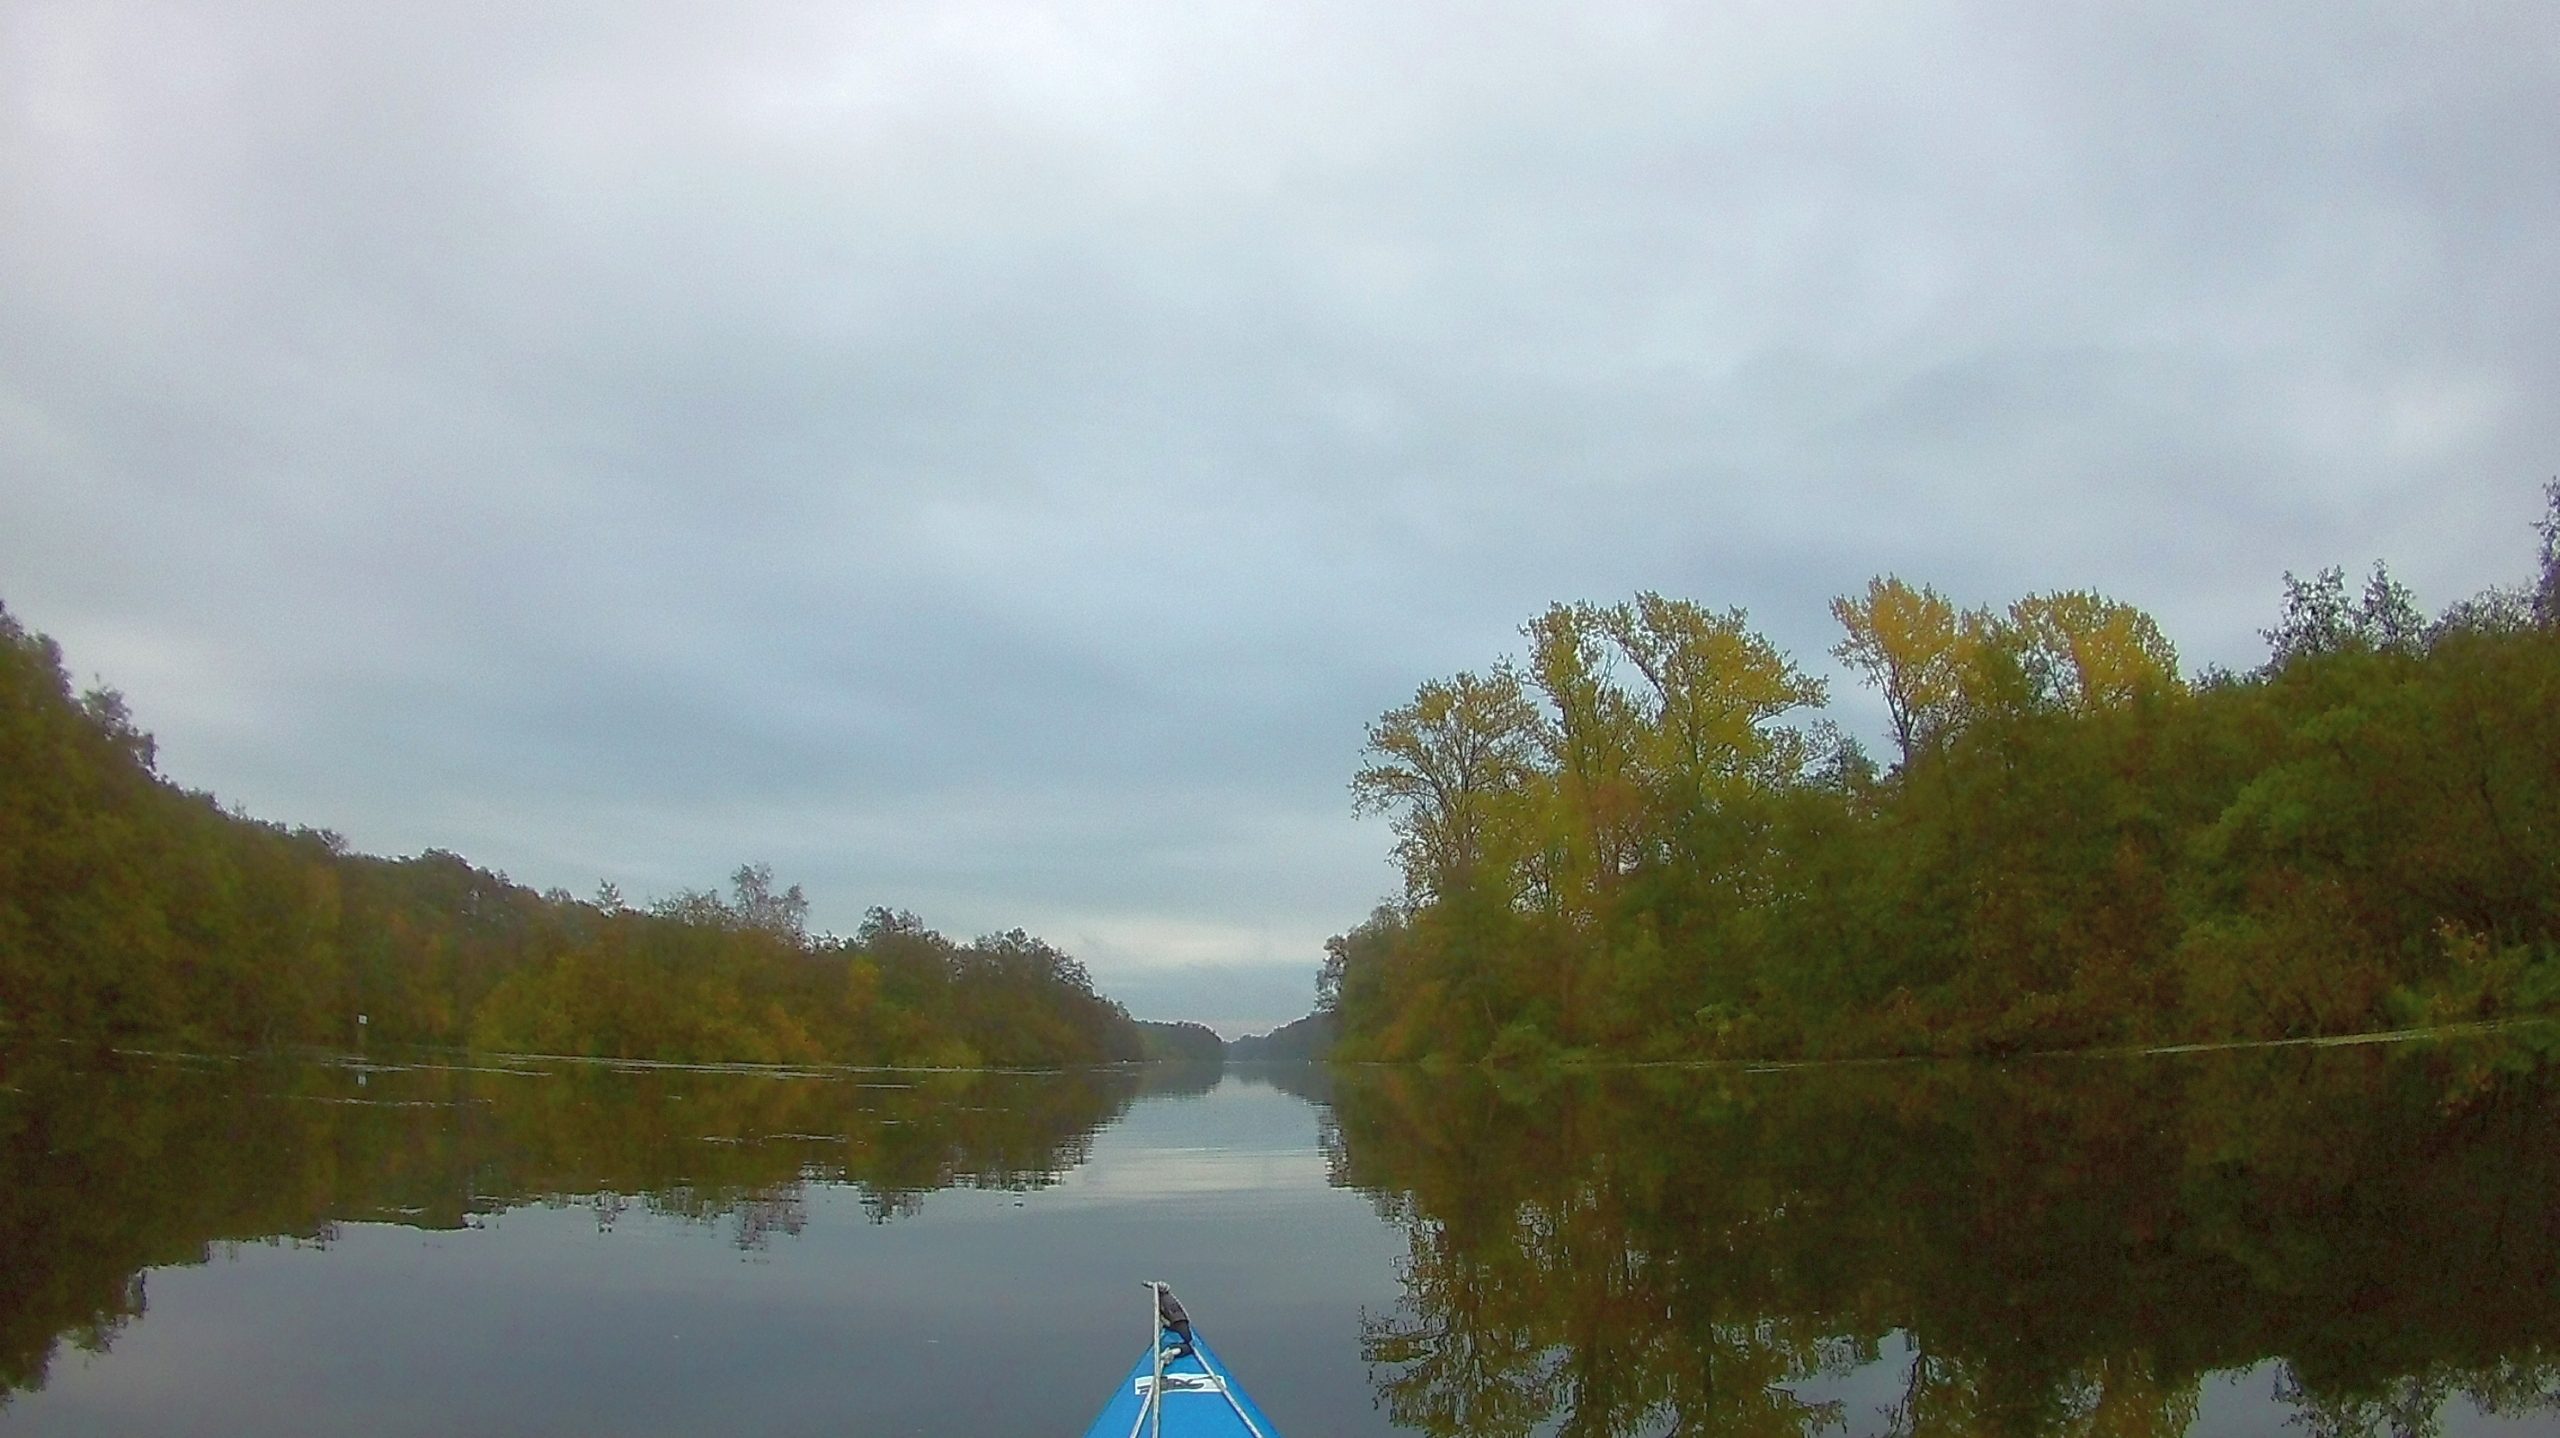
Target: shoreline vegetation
1643, 841
133, 909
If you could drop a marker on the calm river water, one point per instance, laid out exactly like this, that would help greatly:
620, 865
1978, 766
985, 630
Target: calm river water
2326, 1240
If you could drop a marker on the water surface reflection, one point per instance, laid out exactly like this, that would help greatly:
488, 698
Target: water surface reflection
2347, 1239
2335, 1241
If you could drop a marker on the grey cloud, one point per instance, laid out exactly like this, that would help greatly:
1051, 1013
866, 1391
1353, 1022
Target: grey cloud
1234, 999
993, 458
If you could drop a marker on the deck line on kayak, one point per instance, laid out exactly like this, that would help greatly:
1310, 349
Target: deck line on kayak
1155, 1387
1227, 1391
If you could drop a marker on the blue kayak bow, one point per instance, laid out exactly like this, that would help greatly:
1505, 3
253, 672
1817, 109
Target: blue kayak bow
1181, 1389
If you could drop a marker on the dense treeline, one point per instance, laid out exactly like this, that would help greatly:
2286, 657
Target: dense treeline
1643, 839
2059, 1246
200, 1154
1297, 1041
1181, 1043
130, 907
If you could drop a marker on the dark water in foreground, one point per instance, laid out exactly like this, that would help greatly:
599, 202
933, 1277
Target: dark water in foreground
2320, 1240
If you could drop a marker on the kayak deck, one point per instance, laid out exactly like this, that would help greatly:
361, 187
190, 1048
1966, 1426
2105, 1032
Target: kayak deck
1201, 1400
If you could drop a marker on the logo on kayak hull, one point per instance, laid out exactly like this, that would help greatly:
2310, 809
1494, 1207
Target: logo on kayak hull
1180, 1383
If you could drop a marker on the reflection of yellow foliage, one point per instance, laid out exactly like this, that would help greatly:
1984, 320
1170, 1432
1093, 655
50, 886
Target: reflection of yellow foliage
2125, 1399
2069, 1247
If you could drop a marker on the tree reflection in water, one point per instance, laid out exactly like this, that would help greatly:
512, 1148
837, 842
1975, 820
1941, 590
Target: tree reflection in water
113, 1165
2063, 1246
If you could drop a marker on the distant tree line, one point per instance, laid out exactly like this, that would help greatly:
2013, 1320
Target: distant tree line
1182, 1043
130, 907
1297, 1041
1644, 839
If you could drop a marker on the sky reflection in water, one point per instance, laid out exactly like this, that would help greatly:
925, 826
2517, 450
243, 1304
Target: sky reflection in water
2351, 1241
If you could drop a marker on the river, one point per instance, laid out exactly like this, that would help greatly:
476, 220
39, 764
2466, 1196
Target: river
2319, 1239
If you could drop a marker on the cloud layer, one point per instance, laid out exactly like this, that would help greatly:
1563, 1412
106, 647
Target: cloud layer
992, 459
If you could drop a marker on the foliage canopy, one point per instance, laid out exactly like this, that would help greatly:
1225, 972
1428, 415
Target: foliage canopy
1647, 841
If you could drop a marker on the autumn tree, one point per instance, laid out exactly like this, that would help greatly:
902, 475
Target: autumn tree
2080, 849
1591, 745
1444, 768
129, 907
1910, 645
1717, 690
2090, 652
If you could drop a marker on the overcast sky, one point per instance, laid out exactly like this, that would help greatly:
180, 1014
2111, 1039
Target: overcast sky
992, 459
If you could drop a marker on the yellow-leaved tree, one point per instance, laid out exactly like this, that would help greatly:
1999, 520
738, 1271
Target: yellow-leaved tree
2092, 652
1592, 742
1718, 690
1911, 645
1449, 770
